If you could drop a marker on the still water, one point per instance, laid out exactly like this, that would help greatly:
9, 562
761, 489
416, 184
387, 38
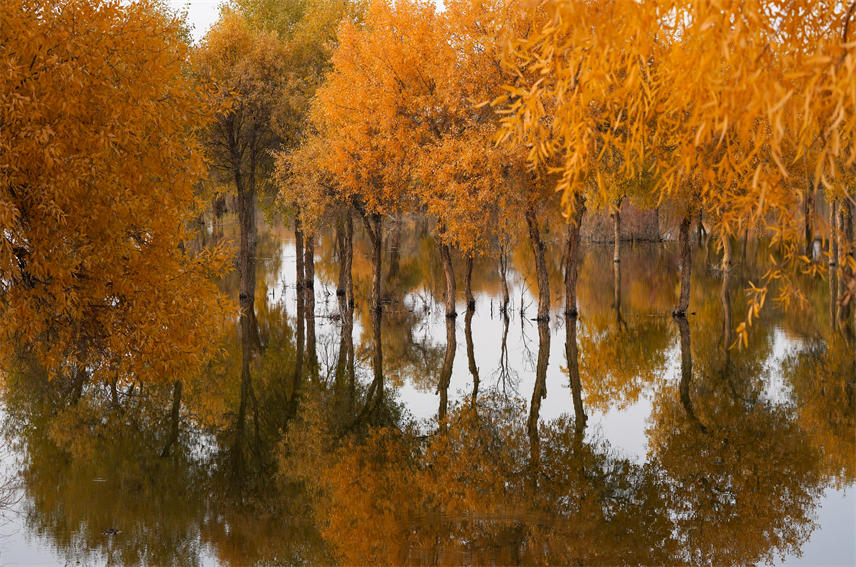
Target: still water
417, 439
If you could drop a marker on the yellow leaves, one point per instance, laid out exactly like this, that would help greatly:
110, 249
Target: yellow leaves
104, 173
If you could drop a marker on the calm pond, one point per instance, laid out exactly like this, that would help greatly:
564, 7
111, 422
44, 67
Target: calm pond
417, 439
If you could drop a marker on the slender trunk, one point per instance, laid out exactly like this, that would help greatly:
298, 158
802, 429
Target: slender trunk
572, 256
616, 233
724, 295
342, 283
468, 284
172, 438
374, 227
449, 274
446, 372
538, 248
503, 272
309, 306
247, 249
572, 359
833, 264
349, 256
808, 213
299, 252
745, 244
700, 230
394, 242
471, 356
616, 294
845, 236
686, 267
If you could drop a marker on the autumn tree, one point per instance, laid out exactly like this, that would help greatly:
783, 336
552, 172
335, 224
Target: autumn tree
97, 167
243, 70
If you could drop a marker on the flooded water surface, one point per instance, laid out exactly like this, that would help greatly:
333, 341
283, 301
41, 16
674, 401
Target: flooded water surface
329, 434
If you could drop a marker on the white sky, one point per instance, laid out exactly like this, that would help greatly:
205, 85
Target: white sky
200, 14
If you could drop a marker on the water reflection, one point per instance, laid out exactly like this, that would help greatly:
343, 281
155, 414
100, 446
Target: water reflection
328, 432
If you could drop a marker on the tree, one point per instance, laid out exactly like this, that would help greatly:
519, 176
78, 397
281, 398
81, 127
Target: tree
244, 72
97, 167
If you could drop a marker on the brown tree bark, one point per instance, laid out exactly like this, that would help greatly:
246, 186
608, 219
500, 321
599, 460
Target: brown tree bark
503, 273
449, 275
572, 256
394, 256
845, 237
345, 241
538, 249
374, 227
468, 284
309, 306
686, 267
833, 264
616, 232
808, 215
471, 354
724, 294
175, 414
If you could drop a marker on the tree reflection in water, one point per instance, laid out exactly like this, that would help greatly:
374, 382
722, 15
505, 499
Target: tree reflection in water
282, 455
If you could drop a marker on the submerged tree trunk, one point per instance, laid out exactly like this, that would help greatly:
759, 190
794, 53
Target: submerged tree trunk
309, 306
247, 248
845, 236
449, 276
686, 267
616, 232
572, 256
503, 273
374, 227
471, 354
808, 214
446, 372
833, 264
724, 294
394, 242
345, 242
175, 414
538, 249
468, 284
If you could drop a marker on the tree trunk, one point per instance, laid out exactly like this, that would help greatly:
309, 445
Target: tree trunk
845, 236
374, 227
471, 354
686, 267
538, 248
468, 284
449, 273
175, 414
572, 256
808, 213
309, 306
345, 243
503, 272
299, 252
616, 233
724, 295
247, 248
394, 242
833, 264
